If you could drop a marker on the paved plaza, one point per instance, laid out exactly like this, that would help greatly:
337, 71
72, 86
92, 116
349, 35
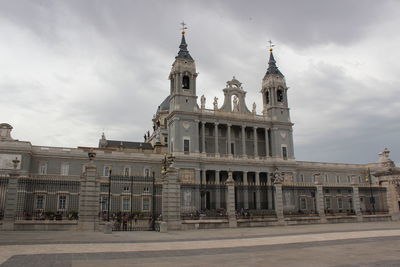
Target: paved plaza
365, 244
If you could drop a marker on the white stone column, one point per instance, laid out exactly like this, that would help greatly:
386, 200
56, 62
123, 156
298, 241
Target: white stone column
258, 191
356, 204
203, 137
230, 201
229, 139
255, 142
244, 140
267, 148
217, 191
319, 200
279, 203
197, 148
269, 192
216, 137
89, 195
10, 208
197, 197
245, 191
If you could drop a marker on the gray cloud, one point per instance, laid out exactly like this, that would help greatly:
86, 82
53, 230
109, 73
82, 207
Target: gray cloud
88, 66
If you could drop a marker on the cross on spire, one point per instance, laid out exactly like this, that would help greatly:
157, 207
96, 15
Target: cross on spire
271, 45
183, 27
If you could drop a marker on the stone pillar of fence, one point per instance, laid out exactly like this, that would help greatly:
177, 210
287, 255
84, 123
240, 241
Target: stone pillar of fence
319, 200
10, 208
356, 204
89, 195
279, 202
171, 201
230, 201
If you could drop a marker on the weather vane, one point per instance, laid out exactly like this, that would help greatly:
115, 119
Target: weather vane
183, 27
271, 45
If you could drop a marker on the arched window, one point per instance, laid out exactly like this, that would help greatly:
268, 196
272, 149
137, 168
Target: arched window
185, 82
279, 95
267, 97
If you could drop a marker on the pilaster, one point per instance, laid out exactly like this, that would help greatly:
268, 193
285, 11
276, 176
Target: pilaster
279, 203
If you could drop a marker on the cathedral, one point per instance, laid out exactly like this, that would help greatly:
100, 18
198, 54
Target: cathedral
199, 168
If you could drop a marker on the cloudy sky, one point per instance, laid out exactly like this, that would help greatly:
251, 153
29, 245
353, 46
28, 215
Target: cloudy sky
70, 70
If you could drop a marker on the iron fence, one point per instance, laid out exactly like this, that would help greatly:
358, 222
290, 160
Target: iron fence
3, 192
135, 202
47, 198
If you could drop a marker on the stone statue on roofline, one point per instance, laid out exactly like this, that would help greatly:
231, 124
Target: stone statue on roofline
203, 102
215, 103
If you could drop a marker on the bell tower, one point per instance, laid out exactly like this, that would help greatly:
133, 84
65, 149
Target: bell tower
274, 92
276, 108
183, 131
183, 79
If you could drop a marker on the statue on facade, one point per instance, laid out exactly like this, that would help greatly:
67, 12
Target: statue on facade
215, 103
235, 104
203, 102
278, 177
254, 108
158, 139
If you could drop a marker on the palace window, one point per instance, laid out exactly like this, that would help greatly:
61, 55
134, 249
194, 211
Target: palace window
185, 82
284, 153
146, 204
43, 168
107, 171
62, 202
327, 203
39, 202
127, 171
340, 203
186, 146
104, 203
64, 168
126, 204
279, 95
146, 190
303, 203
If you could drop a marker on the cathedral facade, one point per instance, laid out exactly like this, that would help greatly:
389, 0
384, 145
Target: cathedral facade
213, 150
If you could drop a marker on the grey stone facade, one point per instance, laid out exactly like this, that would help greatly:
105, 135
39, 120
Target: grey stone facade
227, 159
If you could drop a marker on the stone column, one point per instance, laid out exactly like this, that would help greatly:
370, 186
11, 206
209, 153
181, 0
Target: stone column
217, 191
229, 139
171, 201
319, 200
267, 148
197, 144
216, 137
356, 204
89, 206
203, 182
10, 209
255, 142
203, 137
245, 191
269, 192
197, 198
230, 201
244, 140
258, 191
279, 203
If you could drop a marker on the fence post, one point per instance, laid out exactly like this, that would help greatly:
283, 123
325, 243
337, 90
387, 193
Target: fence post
279, 202
356, 204
319, 199
230, 201
10, 208
171, 201
89, 197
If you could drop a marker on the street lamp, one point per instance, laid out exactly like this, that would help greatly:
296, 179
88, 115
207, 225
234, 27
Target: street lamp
371, 199
109, 195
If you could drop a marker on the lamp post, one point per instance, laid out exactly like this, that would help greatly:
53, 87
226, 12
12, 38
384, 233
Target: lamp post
109, 196
371, 199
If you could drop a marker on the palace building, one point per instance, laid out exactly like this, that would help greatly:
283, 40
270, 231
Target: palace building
226, 166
